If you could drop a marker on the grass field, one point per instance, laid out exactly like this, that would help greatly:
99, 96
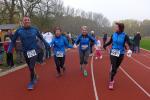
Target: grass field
145, 43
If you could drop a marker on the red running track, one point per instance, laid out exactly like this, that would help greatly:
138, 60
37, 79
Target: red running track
73, 86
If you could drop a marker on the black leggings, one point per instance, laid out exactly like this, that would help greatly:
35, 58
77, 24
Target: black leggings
31, 64
115, 62
59, 61
10, 61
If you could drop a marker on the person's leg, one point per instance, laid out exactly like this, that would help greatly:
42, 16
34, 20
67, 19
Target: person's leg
7, 59
11, 60
62, 62
86, 56
57, 63
113, 67
81, 54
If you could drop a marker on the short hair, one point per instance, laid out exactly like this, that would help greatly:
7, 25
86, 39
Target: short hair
57, 28
84, 27
121, 26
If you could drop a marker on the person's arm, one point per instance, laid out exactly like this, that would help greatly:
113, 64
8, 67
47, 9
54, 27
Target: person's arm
93, 39
42, 39
12, 44
77, 41
127, 40
108, 43
67, 43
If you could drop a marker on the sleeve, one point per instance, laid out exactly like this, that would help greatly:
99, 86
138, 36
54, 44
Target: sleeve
109, 42
93, 39
127, 40
12, 44
77, 41
67, 43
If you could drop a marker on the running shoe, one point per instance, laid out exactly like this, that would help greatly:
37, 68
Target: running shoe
85, 73
96, 58
31, 86
111, 85
58, 75
101, 57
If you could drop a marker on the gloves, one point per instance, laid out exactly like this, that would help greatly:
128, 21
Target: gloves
129, 53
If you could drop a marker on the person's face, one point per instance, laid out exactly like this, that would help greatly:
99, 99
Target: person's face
58, 33
84, 31
26, 22
116, 28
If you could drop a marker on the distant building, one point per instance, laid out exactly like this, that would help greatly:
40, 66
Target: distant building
5, 27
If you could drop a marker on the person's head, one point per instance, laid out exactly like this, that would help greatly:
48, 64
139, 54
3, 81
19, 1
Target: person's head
26, 22
92, 32
119, 27
138, 32
84, 30
57, 31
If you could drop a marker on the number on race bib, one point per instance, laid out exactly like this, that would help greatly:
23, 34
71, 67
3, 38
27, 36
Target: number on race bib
115, 52
31, 53
84, 47
59, 54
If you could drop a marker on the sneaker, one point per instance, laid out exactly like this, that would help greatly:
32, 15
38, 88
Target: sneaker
111, 85
85, 73
64, 69
96, 58
101, 57
58, 75
30, 86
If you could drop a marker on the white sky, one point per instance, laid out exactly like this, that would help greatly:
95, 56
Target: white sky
114, 9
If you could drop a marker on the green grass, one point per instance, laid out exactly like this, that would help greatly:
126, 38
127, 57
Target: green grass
145, 43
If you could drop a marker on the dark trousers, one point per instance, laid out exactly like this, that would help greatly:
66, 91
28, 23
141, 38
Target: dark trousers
115, 62
84, 56
48, 53
31, 64
104, 41
9, 58
91, 48
59, 61
40, 56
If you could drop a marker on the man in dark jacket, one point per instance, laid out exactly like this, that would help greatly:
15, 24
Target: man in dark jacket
137, 39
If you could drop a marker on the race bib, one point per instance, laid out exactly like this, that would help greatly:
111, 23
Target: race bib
115, 52
84, 47
59, 54
31, 53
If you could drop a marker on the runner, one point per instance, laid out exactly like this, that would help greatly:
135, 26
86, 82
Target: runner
28, 35
59, 43
92, 43
98, 49
84, 48
118, 40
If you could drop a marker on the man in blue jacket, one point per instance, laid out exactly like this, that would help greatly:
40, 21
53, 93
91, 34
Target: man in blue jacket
28, 36
84, 40
59, 44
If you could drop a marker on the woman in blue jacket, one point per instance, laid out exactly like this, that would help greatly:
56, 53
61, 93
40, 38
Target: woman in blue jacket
84, 40
118, 40
59, 44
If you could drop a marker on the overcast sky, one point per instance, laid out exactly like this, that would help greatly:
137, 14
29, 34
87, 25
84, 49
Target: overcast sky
114, 9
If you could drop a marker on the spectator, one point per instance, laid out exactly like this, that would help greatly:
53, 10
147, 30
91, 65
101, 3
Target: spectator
48, 36
92, 43
9, 56
104, 38
1, 49
137, 39
19, 53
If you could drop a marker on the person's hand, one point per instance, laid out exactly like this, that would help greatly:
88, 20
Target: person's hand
75, 46
129, 53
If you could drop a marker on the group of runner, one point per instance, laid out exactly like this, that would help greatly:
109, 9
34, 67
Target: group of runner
28, 36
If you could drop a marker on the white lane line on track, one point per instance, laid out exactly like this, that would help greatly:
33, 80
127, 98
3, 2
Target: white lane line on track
134, 81
93, 80
147, 67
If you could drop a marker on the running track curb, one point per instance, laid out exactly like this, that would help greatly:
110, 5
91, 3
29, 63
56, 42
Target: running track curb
145, 49
12, 70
